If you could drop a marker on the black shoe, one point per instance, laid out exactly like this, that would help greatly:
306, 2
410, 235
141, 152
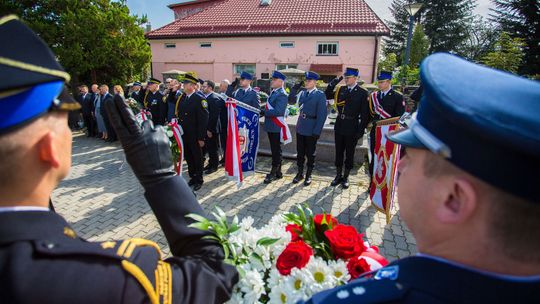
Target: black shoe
345, 180
337, 180
191, 182
298, 178
269, 178
210, 170
307, 181
197, 187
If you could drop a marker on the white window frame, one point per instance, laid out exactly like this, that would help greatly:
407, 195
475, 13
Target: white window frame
281, 44
287, 66
238, 71
169, 45
205, 43
327, 43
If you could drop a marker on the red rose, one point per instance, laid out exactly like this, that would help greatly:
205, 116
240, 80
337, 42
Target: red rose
296, 254
345, 241
294, 229
357, 266
330, 221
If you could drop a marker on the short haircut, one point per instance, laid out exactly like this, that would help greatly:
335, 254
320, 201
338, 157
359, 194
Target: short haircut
83, 86
226, 81
104, 86
512, 221
211, 84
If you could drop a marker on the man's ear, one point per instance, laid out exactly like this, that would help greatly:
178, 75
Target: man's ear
48, 153
460, 201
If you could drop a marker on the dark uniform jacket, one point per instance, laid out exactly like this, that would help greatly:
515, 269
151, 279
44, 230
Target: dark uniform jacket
249, 96
353, 109
193, 115
138, 96
419, 280
278, 100
392, 103
214, 108
157, 106
42, 260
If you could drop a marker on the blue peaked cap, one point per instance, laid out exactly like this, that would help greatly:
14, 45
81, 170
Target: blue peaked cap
246, 75
312, 76
278, 75
488, 128
351, 72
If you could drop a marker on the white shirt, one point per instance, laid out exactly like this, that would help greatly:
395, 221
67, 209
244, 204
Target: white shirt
386, 92
23, 208
352, 87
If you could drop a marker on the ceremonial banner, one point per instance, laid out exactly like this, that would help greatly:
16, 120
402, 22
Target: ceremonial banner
285, 133
376, 106
243, 138
386, 157
178, 155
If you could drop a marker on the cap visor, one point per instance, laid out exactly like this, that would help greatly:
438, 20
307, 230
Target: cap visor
405, 138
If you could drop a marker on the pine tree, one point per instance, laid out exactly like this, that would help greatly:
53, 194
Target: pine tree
419, 46
521, 18
508, 54
399, 28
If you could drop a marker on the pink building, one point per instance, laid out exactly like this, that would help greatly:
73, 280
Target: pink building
219, 39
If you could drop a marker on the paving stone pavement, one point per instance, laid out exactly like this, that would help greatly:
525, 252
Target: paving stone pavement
102, 199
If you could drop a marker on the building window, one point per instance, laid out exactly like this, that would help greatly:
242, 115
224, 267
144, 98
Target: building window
286, 44
249, 68
265, 75
170, 45
286, 66
327, 48
205, 44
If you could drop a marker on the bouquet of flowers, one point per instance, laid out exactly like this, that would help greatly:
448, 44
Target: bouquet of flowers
174, 132
294, 256
133, 105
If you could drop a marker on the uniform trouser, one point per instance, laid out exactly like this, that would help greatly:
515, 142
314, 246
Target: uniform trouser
275, 147
345, 144
212, 149
90, 124
194, 157
110, 130
305, 148
372, 149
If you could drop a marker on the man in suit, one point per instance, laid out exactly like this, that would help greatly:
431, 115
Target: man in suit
212, 136
468, 191
312, 105
385, 103
87, 103
105, 95
275, 110
43, 258
193, 118
353, 117
154, 102
241, 90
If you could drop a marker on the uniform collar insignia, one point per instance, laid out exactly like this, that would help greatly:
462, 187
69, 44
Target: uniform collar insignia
390, 273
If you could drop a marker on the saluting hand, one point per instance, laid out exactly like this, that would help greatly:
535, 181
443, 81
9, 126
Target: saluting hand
147, 149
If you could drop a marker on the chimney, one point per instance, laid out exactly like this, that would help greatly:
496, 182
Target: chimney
148, 27
266, 2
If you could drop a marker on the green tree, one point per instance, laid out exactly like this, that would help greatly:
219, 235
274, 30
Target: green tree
508, 54
521, 18
419, 46
95, 40
480, 40
388, 63
399, 28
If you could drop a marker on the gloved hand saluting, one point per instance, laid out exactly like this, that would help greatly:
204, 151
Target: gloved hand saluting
147, 149
235, 82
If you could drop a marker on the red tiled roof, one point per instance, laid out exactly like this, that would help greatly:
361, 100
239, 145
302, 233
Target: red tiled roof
281, 17
188, 3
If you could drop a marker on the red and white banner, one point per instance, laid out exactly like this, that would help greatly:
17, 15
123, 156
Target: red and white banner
178, 132
386, 157
285, 133
377, 108
233, 163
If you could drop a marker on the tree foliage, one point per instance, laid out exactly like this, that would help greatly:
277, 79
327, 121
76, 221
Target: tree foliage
388, 63
508, 54
481, 39
95, 40
521, 18
419, 46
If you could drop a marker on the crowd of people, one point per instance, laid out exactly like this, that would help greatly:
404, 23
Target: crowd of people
199, 107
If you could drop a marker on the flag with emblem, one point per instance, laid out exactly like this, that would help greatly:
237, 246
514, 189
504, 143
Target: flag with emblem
243, 136
285, 133
386, 156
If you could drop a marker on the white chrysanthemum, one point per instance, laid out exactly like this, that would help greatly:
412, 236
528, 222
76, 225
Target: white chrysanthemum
247, 223
252, 285
237, 297
340, 271
298, 280
170, 133
282, 294
321, 275
274, 278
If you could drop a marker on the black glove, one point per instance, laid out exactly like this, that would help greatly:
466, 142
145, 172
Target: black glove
235, 83
147, 149
317, 137
297, 86
261, 114
335, 81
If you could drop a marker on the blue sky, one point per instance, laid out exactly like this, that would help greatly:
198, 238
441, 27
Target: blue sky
159, 14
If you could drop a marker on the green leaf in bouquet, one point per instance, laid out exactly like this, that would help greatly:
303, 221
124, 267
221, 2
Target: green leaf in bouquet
197, 217
258, 258
222, 220
200, 226
241, 272
220, 212
226, 251
266, 241
234, 228
211, 237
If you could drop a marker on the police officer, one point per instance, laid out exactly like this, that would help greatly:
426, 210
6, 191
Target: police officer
154, 102
241, 90
43, 259
212, 136
172, 97
471, 168
193, 117
278, 104
136, 92
353, 117
383, 104
312, 105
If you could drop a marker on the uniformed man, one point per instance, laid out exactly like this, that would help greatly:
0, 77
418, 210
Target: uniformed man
43, 259
244, 92
154, 102
193, 117
383, 104
172, 96
468, 191
312, 105
136, 92
278, 104
353, 117
212, 135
